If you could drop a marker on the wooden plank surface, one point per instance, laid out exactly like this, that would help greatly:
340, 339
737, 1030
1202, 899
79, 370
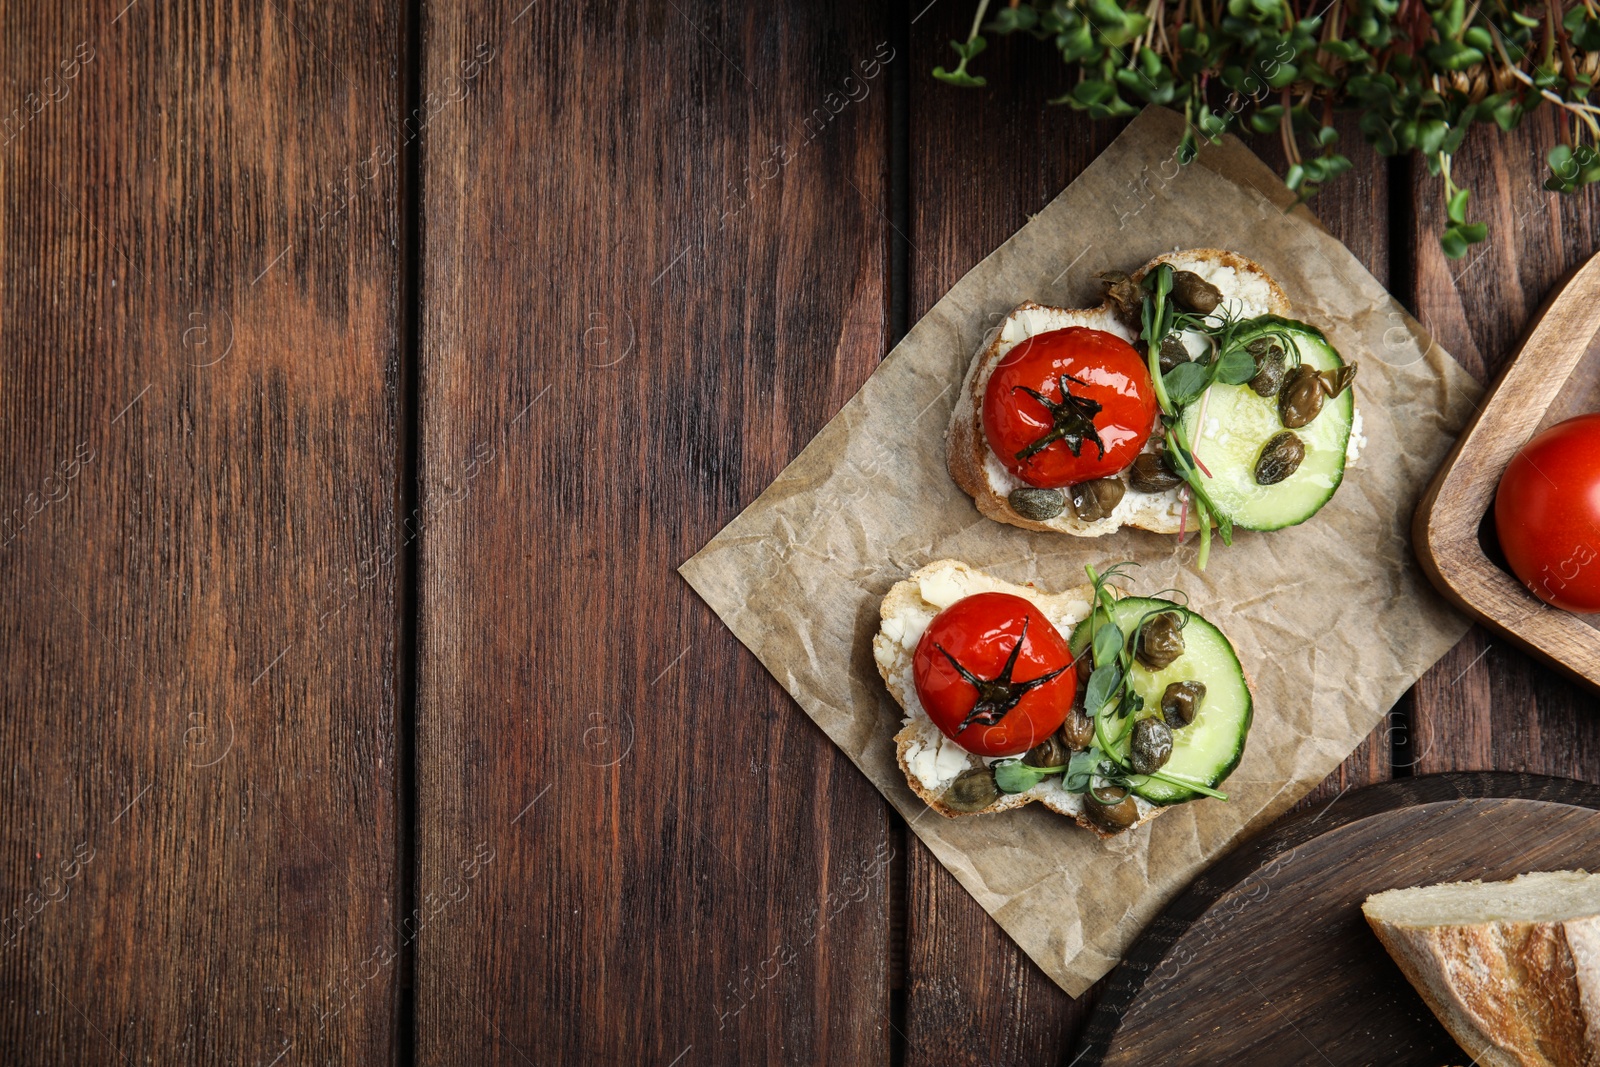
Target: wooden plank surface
1552, 375
1488, 704
656, 264
658, 255
982, 162
199, 320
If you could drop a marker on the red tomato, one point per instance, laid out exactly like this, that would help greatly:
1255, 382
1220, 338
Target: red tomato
1108, 415
1547, 514
975, 652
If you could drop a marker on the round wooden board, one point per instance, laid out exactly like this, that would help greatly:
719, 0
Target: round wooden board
1266, 958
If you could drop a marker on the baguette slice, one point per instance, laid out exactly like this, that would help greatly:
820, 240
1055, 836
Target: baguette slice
1246, 288
1512, 969
928, 759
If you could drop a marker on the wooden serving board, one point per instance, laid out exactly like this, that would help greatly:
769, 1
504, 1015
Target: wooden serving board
1554, 376
1266, 958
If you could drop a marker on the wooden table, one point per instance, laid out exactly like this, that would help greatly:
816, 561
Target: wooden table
370, 368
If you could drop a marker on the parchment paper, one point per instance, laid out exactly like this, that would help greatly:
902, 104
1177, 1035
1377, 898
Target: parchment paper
1332, 619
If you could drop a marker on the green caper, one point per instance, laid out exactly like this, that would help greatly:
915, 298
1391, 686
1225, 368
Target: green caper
1280, 457
1077, 731
1160, 640
1151, 746
1181, 702
1039, 505
1125, 295
1173, 352
1270, 368
1150, 474
1095, 500
1116, 811
973, 790
1300, 400
1194, 292
1051, 752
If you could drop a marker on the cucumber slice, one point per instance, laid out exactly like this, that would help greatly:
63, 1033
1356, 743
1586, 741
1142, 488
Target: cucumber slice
1210, 747
1238, 423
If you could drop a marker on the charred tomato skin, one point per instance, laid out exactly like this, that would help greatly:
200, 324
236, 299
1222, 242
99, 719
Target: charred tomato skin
980, 632
1097, 366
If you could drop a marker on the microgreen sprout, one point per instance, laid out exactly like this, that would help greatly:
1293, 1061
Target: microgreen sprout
1420, 74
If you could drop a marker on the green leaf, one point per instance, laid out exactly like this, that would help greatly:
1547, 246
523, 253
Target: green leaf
1430, 135
1461, 57
1014, 776
1379, 134
1103, 685
1186, 381
1456, 206
1449, 18
1507, 114
1454, 245
1283, 76
1334, 164
1108, 641
1263, 123
1235, 367
959, 77
1349, 51
1093, 91
1081, 769
1013, 19
1188, 147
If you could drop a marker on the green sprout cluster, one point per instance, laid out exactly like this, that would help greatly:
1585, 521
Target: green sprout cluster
1421, 73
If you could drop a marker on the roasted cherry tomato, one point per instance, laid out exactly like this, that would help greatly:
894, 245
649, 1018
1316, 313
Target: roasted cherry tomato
1547, 514
1067, 406
994, 674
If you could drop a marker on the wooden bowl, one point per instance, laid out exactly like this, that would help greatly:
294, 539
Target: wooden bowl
1554, 376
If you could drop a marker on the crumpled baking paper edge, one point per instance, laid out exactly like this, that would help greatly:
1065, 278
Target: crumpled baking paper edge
1329, 647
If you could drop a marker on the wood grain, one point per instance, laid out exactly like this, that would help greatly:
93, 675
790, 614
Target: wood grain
1554, 372
199, 316
656, 264
657, 260
982, 161
972, 996
1266, 958
1487, 704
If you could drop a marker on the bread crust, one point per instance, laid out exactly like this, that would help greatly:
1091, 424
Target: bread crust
967, 450
906, 594
1513, 993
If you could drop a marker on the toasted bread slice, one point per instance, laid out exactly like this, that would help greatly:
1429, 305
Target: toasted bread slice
1246, 288
929, 760
1512, 969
